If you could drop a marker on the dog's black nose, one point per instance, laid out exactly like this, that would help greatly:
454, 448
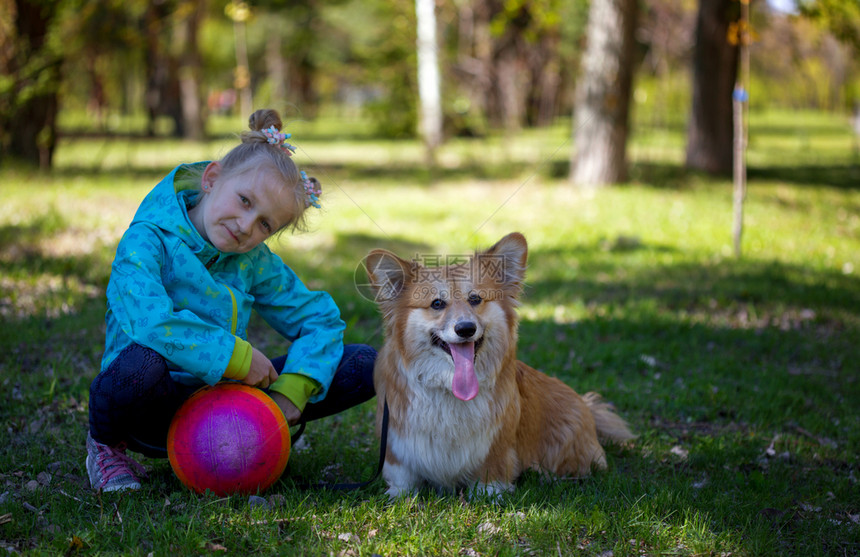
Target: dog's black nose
465, 329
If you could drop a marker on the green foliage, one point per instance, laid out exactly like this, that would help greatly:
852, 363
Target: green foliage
30, 78
388, 60
737, 374
842, 17
533, 18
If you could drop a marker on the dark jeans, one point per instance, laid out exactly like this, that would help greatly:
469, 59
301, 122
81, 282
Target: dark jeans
134, 399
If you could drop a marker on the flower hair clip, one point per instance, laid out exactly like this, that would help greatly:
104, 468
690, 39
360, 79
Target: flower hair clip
312, 192
275, 137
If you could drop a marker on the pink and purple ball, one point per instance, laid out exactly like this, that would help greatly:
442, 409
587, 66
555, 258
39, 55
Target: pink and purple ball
229, 438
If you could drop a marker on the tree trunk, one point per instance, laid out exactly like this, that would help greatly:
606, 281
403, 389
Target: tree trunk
601, 121
512, 85
190, 72
28, 121
276, 66
429, 86
507, 62
162, 69
715, 66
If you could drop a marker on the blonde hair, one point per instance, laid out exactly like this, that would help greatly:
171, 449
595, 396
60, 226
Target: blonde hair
255, 151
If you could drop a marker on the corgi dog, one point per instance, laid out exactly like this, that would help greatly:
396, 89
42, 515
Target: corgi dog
464, 412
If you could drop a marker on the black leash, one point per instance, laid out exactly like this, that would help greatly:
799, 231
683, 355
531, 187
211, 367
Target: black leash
383, 441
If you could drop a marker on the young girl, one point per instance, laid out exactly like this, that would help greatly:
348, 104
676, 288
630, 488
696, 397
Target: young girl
187, 273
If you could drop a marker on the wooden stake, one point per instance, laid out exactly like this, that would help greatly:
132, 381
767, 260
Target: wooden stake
740, 99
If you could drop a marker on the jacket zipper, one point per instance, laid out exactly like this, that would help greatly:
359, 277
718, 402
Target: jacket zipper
234, 323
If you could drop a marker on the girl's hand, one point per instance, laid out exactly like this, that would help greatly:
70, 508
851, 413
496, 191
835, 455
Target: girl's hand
262, 372
291, 412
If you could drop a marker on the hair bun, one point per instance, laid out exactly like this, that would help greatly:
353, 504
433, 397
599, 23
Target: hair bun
264, 118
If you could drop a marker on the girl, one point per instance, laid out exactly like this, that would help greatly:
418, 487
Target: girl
186, 275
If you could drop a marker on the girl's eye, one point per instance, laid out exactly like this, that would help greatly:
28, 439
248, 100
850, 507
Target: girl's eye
244, 200
474, 299
267, 227
438, 304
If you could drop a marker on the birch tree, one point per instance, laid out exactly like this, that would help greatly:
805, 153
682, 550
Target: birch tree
601, 119
429, 86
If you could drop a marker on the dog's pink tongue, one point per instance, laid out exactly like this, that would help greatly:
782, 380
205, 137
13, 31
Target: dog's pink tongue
465, 385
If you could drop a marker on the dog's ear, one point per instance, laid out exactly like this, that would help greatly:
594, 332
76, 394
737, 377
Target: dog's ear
387, 273
506, 262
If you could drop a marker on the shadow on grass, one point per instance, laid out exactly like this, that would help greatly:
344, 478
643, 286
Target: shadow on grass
23, 252
359, 245
413, 174
677, 177
604, 277
654, 174
842, 176
725, 492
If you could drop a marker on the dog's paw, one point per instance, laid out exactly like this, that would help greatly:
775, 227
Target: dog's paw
396, 492
401, 481
491, 490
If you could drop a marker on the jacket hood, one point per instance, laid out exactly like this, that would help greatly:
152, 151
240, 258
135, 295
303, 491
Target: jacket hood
166, 206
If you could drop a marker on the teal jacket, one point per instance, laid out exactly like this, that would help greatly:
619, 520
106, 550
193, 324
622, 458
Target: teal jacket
172, 291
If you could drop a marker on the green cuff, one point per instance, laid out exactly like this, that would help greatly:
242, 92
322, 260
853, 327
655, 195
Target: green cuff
298, 388
240, 361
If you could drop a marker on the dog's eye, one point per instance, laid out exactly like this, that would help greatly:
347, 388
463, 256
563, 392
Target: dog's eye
474, 299
438, 304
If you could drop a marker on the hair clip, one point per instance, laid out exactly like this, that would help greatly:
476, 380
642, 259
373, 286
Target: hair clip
312, 192
275, 137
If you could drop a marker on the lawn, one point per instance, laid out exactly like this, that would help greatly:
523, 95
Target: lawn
740, 376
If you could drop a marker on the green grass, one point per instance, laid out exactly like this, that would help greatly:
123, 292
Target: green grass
739, 375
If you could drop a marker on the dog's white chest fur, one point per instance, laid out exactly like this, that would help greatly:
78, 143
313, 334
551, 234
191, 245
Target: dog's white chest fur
442, 440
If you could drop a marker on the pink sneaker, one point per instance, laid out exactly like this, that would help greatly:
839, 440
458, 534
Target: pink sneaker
110, 469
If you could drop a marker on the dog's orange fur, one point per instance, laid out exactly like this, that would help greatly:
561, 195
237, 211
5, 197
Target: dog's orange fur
519, 419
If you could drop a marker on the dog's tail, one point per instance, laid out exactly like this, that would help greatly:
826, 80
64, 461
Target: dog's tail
610, 426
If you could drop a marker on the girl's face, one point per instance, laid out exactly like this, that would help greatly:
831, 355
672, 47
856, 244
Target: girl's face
238, 212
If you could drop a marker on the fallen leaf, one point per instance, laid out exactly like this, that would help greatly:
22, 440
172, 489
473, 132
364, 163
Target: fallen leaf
771, 512
277, 500
770, 451
257, 501
52, 529
488, 528
75, 544
680, 452
215, 547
